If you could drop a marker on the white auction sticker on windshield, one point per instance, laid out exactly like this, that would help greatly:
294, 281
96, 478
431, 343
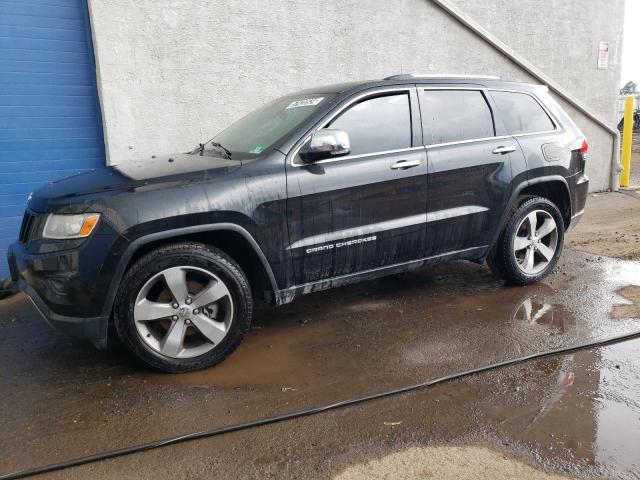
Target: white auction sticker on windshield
307, 102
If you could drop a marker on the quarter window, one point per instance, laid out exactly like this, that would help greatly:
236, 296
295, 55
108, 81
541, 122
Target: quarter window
378, 124
521, 113
454, 116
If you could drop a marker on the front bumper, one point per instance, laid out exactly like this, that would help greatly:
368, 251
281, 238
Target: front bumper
92, 328
52, 282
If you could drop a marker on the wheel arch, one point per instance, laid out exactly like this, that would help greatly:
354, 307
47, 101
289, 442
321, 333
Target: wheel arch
553, 187
232, 239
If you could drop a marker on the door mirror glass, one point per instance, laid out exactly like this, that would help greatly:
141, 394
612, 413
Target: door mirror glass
325, 143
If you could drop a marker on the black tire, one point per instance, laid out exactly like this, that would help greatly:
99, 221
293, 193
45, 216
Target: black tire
503, 261
195, 255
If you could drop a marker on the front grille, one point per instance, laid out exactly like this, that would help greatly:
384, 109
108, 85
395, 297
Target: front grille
26, 229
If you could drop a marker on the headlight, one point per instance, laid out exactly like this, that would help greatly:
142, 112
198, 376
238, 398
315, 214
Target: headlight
61, 227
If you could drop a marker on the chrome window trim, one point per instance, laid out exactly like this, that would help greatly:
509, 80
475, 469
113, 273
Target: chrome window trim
478, 88
324, 122
552, 117
517, 135
374, 92
355, 157
461, 142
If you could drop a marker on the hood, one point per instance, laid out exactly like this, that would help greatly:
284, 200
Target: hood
109, 180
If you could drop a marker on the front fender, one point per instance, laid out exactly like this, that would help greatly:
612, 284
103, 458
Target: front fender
134, 246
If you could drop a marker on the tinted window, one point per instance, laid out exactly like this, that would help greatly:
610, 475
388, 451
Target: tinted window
521, 113
260, 129
455, 115
377, 124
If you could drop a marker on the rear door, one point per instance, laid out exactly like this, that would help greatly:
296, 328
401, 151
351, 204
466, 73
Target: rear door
536, 132
365, 210
470, 172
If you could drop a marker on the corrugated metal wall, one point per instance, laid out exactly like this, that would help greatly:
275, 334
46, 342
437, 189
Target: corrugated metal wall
50, 124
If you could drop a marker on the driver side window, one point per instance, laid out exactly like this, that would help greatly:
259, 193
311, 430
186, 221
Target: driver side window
377, 124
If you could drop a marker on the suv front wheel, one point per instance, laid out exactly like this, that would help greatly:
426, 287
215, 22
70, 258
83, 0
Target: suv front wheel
183, 307
530, 245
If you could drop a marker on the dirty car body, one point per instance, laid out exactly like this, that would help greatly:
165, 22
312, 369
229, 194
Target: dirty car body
294, 225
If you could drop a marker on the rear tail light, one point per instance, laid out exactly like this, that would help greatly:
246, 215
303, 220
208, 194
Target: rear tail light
584, 147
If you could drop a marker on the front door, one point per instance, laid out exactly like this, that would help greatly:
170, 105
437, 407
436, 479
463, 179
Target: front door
469, 168
366, 210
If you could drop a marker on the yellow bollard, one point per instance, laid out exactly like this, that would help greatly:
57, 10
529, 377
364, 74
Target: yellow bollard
627, 138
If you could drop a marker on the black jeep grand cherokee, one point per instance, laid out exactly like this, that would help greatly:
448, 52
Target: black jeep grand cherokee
314, 190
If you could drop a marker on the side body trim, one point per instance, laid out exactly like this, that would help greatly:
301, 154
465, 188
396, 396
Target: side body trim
359, 231
388, 225
286, 296
454, 212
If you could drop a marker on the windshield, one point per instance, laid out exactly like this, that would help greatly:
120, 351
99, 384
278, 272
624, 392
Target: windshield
260, 129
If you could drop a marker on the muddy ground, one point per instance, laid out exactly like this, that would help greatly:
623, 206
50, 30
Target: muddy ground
569, 416
611, 224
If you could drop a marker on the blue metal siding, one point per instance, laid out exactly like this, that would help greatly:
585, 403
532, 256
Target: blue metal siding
50, 124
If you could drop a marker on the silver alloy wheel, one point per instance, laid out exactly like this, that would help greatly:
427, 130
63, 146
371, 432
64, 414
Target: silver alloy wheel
183, 312
536, 242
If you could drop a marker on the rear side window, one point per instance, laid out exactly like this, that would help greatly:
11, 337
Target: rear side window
454, 116
377, 124
521, 113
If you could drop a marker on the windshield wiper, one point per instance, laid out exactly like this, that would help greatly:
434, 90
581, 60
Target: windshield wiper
219, 146
200, 149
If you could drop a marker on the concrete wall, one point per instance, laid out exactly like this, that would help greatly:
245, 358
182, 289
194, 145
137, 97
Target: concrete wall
172, 73
561, 38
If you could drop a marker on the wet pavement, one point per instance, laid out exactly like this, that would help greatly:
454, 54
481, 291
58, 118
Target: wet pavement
576, 415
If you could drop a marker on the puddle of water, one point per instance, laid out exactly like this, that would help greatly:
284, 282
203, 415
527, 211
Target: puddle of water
421, 325
334, 345
267, 357
617, 439
581, 410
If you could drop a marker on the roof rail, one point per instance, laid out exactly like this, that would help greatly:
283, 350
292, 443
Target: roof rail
407, 76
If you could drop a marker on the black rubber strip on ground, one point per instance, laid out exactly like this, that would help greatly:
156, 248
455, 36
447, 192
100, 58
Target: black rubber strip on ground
306, 412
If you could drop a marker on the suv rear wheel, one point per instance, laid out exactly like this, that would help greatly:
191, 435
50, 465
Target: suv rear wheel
531, 243
183, 307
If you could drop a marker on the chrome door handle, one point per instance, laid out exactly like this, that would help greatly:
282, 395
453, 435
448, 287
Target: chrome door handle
405, 164
504, 150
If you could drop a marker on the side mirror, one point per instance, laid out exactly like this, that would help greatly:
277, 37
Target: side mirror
325, 143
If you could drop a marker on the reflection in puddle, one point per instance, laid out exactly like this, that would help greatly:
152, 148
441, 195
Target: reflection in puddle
580, 407
618, 407
565, 378
536, 311
631, 309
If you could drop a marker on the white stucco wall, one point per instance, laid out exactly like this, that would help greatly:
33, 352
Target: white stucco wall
172, 73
